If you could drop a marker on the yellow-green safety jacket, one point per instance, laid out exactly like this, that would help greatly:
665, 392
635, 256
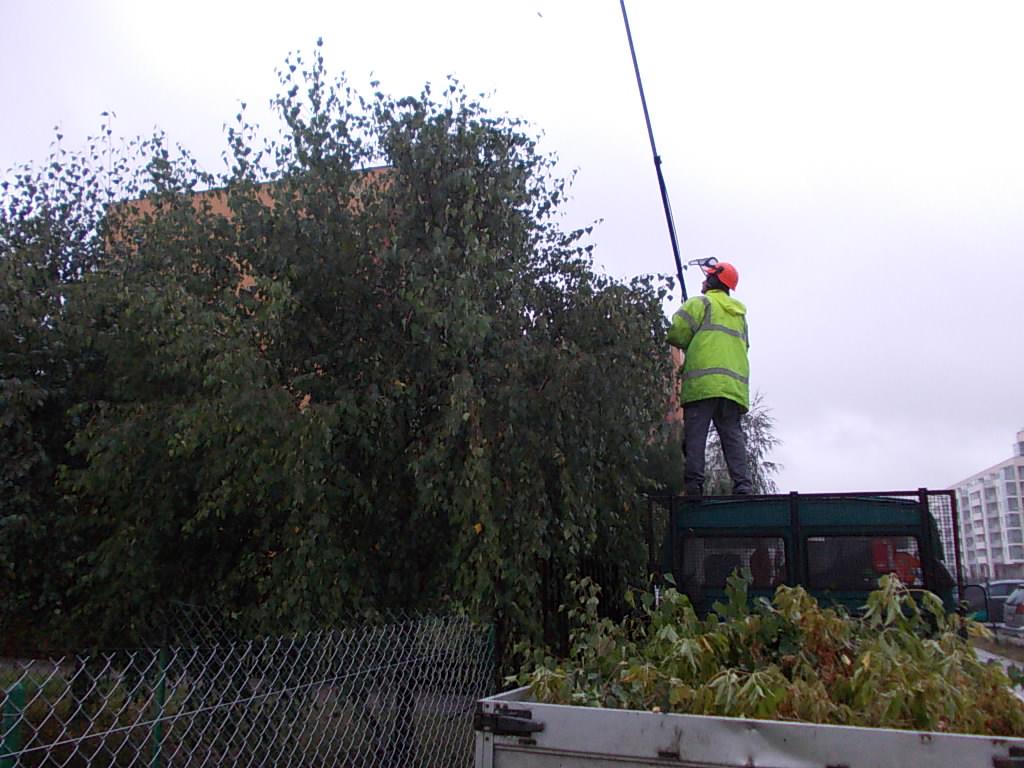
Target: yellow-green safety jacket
712, 330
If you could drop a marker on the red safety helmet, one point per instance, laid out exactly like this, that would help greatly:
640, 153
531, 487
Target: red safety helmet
725, 272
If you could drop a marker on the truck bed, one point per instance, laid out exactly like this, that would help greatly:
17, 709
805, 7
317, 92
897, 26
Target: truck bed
513, 731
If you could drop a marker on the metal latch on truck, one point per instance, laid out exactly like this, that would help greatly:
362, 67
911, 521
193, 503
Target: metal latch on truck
506, 721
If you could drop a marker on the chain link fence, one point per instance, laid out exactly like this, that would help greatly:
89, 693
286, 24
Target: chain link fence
395, 694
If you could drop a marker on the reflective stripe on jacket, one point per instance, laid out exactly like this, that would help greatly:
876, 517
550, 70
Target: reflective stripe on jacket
712, 329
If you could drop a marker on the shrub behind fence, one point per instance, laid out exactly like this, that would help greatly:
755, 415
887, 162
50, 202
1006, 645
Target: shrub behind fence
397, 694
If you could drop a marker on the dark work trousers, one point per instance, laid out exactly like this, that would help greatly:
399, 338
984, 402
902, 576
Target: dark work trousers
697, 418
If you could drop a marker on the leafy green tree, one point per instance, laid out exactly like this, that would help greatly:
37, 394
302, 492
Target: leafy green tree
663, 460
365, 370
48, 242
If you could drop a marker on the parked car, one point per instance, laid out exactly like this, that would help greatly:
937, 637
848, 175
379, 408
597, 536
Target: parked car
1013, 609
998, 592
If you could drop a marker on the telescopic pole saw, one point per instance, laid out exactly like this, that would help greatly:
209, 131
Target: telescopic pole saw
657, 158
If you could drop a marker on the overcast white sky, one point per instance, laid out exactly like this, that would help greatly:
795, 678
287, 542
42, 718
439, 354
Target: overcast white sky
862, 164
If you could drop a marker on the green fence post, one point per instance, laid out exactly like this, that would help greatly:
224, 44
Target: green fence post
14, 707
161, 694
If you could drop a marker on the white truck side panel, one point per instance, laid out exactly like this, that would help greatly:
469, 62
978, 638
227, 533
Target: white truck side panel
607, 738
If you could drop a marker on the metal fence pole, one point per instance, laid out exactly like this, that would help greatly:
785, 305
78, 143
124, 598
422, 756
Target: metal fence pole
14, 706
161, 693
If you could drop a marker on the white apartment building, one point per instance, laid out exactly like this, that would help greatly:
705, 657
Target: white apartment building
990, 507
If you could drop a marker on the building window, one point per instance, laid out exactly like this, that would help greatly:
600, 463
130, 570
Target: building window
1007, 473
1015, 537
1013, 505
1011, 489
1017, 553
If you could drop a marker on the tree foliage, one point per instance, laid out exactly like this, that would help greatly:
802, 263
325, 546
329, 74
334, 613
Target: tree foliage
364, 369
903, 663
47, 244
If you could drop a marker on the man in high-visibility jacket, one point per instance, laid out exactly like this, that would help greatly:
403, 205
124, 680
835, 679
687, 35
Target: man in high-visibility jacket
712, 330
